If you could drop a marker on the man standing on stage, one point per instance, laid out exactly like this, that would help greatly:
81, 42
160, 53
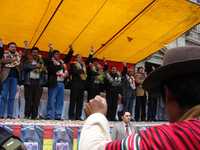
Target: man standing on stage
78, 78
9, 78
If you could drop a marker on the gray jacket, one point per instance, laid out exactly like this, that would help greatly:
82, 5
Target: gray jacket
118, 131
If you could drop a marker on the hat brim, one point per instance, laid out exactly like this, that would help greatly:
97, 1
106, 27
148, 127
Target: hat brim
156, 79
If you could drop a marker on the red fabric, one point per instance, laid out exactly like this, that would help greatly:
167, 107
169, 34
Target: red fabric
118, 65
184, 135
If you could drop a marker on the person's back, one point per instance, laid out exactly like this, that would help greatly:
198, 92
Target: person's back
183, 135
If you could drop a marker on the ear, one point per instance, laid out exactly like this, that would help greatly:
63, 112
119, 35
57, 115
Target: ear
168, 95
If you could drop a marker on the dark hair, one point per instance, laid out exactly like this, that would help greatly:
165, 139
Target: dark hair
186, 90
35, 48
140, 68
10, 43
55, 51
123, 113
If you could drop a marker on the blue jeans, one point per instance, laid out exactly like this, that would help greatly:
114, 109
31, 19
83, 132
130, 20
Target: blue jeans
55, 101
9, 89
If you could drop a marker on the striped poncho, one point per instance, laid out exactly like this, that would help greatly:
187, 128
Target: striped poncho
183, 135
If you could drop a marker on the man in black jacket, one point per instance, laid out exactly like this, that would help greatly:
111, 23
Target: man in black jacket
78, 78
113, 85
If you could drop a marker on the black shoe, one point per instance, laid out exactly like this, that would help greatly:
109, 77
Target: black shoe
34, 118
79, 119
27, 117
10, 117
47, 118
59, 119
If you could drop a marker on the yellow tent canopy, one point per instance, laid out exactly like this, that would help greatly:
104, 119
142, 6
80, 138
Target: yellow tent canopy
120, 30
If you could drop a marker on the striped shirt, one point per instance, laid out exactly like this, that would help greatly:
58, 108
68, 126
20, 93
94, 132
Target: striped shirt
183, 135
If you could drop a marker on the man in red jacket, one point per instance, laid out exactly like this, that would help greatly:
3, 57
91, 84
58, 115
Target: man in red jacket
178, 80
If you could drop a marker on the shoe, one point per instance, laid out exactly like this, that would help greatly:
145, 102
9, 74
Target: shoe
10, 117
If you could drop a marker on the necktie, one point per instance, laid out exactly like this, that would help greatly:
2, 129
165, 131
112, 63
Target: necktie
126, 127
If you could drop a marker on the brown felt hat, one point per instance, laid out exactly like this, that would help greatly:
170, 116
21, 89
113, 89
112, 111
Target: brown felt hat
178, 62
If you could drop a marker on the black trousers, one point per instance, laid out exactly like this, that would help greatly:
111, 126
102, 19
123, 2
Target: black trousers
76, 101
140, 108
152, 107
32, 94
112, 99
93, 90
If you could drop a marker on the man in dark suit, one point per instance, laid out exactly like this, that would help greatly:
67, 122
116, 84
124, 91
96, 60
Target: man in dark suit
124, 128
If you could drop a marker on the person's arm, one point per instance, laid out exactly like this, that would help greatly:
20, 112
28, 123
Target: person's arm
114, 133
50, 53
69, 55
95, 133
90, 57
125, 69
1, 49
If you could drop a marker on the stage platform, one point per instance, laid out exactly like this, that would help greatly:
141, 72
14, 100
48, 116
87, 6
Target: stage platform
52, 134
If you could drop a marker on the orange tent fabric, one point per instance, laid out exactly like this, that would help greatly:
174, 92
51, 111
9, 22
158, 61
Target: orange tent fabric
120, 30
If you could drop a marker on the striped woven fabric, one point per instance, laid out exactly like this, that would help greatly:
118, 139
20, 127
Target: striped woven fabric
184, 135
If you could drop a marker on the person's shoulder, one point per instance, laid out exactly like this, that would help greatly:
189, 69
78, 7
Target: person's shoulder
170, 128
118, 125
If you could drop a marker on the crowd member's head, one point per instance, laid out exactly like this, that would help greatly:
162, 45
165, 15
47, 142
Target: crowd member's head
56, 54
12, 46
179, 81
131, 71
126, 117
35, 51
114, 70
181, 94
95, 61
140, 69
78, 58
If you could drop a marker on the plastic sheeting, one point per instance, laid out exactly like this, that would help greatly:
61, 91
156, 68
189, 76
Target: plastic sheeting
120, 30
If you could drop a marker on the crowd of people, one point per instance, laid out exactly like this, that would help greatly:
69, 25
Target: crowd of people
180, 88
33, 70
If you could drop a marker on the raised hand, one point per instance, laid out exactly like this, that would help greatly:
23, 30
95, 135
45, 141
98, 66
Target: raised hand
124, 63
50, 46
26, 44
91, 50
96, 105
70, 46
1, 42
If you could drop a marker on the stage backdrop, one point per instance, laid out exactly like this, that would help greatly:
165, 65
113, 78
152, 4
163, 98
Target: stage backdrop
53, 135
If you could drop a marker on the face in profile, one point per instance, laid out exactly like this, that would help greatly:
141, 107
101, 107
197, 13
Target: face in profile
126, 117
173, 110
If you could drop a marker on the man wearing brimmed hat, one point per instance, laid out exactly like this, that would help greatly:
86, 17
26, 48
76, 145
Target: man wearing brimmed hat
179, 81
